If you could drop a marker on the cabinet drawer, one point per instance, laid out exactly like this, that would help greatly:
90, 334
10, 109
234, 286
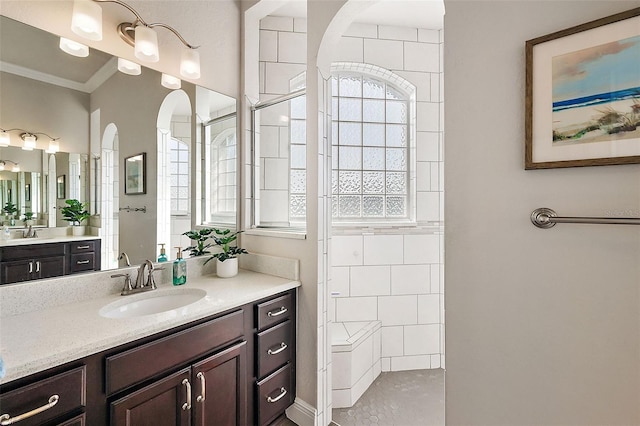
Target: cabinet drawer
143, 362
76, 421
82, 246
33, 251
274, 311
82, 262
69, 388
275, 394
274, 348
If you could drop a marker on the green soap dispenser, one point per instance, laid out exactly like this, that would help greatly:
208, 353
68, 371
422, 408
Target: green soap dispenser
163, 253
179, 269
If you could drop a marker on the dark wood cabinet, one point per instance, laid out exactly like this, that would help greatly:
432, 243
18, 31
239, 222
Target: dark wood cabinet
224, 370
37, 261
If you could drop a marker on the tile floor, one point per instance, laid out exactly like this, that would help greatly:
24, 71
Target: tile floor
401, 398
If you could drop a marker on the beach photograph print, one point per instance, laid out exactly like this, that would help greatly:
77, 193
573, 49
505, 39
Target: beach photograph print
596, 93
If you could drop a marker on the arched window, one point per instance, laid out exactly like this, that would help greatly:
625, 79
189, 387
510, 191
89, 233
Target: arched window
179, 169
371, 141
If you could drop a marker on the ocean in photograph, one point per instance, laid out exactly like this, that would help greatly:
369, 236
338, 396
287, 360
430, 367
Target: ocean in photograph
596, 93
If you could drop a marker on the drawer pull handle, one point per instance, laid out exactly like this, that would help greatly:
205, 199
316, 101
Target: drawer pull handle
203, 385
283, 392
30, 271
277, 313
6, 419
38, 266
187, 405
83, 247
282, 347
82, 262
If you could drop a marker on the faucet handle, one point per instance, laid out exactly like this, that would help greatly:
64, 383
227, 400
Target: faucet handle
127, 282
151, 280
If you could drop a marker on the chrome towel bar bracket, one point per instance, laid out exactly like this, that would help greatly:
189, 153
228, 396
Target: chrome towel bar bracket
546, 218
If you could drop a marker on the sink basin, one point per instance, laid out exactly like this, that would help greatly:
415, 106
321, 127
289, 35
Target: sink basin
152, 302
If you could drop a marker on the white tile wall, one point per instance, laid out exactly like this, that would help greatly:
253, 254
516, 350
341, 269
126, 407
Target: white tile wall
397, 33
421, 249
421, 57
370, 280
398, 310
276, 23
410, 279
292, 47
346, 250
382, 249
268, 45
356, 309
384, 53
351, 49
392, 341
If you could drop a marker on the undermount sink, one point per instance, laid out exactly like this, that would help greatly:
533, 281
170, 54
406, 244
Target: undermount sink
152, 302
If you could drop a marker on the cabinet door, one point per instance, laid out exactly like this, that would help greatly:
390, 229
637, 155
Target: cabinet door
17, 271
220, 386
48, 267
165, 402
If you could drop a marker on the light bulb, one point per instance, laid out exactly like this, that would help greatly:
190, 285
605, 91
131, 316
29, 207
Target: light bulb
129, 67
15, 168
86, 20
29, 142
74, 48
146, 48
54, 146
170, 82
190, 63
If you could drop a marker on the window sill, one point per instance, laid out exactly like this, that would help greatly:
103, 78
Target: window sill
294, 234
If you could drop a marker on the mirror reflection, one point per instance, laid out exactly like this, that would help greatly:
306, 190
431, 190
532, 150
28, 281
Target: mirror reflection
102, 117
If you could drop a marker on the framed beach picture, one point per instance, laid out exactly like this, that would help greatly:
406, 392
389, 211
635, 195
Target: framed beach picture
583, 95
134, 174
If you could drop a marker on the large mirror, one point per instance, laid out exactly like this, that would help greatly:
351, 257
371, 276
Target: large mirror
102, 117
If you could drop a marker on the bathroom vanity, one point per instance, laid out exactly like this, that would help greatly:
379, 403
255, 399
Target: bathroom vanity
228, 359
29, 259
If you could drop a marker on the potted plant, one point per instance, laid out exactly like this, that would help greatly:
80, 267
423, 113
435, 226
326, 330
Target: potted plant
28, 218
227, 259
200, 237
75, 213
9, 210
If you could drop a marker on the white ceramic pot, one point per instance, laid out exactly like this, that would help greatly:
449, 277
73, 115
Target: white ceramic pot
77, 230
228, 268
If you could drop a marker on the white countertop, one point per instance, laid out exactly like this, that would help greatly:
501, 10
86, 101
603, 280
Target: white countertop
45, 240
35, 341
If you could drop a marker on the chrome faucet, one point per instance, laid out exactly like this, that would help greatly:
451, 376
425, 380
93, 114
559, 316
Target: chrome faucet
140, 284
140, 278
30, 233
124, 256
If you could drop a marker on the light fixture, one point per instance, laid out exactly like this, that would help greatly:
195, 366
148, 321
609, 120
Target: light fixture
15, 168
141, 35
170, 82
129, 67
86, 20
29, 139
74, 48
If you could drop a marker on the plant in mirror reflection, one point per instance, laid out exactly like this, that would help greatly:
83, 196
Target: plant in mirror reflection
9, 208
75, 212
200, 237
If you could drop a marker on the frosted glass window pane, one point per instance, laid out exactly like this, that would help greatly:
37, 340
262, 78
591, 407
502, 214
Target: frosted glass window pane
396, 159
230, 165
396, 183
373, 111
334, 206
299, 107
334, 133
334, 182
350, 183
373, 158
372, 89
396, 135
334, 86
393, 93
350, 86
173, 155
183, 155
183, 192
349, 205
173, 168
396, 112
298, 181
350, 157
183, 180
373, 134
373, 206
173, 144
298, 156
373, 182
334, 108
183, 205
183, 168
174, 192
334, 157
173, 180
174, 205
298, 207
298, 131
350, 109
396, 206
350, 134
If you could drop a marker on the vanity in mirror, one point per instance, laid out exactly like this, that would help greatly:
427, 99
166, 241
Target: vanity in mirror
101, 118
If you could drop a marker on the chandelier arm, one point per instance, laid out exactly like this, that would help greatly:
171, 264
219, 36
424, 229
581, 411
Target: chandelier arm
123, 4
173, 30
50, 137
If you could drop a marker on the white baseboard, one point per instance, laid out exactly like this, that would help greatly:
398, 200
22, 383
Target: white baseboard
302, 413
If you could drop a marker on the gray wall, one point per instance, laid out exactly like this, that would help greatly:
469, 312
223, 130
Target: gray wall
543, 326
